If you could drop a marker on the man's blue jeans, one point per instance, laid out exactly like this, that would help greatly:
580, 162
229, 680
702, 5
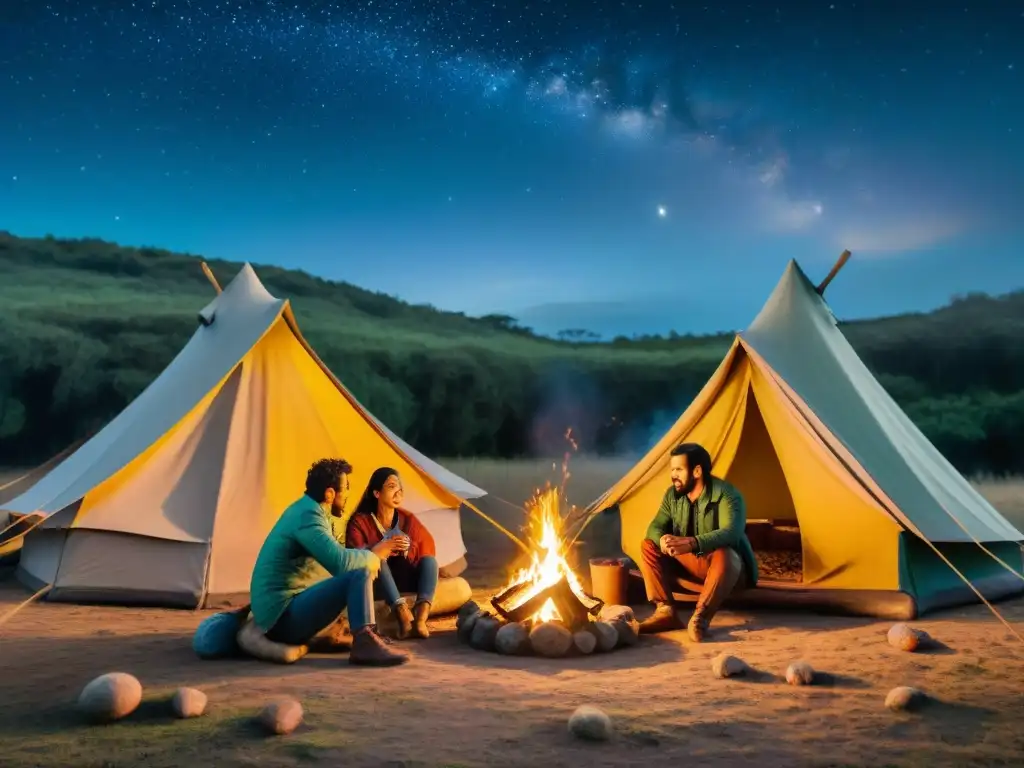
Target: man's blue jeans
320, 605
398, 576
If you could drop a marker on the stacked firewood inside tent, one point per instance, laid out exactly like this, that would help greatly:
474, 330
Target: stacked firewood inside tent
544, 609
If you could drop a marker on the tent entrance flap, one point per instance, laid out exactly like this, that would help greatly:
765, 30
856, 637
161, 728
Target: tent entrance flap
772, 522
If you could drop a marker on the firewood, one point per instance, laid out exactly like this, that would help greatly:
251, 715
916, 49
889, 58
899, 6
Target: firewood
526, 609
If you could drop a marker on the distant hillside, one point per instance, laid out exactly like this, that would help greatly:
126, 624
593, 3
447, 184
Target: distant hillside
87, 324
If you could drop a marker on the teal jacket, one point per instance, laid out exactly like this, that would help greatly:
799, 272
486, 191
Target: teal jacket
301, 549
727, 528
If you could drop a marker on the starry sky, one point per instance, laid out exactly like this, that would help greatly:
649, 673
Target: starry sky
625, 167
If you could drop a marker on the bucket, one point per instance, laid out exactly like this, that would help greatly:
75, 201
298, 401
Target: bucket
609, 580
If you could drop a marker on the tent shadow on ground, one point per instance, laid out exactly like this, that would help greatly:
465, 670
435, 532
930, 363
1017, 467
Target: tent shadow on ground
735, 743
949, 722
158, 660
649, 652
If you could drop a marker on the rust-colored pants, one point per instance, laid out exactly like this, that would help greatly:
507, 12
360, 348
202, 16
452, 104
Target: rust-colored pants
719, 572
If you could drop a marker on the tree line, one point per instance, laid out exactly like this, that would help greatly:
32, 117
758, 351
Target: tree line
87, 325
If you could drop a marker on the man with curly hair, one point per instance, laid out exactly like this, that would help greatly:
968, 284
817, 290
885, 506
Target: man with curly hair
291, 601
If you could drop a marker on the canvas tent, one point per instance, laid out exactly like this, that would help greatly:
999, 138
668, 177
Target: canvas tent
170, 502
798, 423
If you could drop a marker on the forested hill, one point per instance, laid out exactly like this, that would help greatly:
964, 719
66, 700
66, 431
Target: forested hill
87, 324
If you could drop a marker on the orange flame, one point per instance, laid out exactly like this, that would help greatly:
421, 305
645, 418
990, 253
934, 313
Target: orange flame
548, 564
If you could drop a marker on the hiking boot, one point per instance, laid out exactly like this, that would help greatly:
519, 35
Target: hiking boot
420, 612
664, 619
370, 650
403, 617
697, 627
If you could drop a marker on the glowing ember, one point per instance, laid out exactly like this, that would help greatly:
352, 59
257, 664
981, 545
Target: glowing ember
548, 564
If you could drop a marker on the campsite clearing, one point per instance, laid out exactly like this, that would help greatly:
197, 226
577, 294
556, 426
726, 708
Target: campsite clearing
452, 706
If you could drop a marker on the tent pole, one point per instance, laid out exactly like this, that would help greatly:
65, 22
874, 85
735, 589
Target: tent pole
497, 525
843, 258
210, 276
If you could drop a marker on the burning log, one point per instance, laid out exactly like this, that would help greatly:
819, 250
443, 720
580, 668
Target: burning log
514, 606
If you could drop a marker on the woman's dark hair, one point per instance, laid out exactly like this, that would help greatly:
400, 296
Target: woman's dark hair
696, 456
325, 474
368, 502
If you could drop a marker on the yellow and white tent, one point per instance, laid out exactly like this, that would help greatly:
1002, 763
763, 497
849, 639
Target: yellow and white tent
170, 502
794, 418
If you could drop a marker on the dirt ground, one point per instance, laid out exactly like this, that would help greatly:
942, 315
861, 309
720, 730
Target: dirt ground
454, 706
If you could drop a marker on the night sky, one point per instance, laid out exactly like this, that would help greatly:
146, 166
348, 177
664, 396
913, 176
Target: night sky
623, 167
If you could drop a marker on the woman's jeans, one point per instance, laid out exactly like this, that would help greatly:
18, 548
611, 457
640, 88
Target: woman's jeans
320, 605
397, 575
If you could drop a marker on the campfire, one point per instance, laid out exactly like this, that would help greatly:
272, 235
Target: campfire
544, 609
547, 589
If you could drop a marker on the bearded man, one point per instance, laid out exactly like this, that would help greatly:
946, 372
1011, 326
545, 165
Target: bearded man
699, 535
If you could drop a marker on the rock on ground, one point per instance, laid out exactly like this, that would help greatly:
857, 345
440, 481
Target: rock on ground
606, 634
550, 639
110, 697
906, 638
724, 665
799, 673
904, 698
467, 610
584, 641
485, 632
465, 626
188, 702
512, 640
590, 723
628, 631
616, 613
281, 716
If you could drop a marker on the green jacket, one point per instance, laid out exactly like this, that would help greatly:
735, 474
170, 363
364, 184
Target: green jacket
726, 529
300, 550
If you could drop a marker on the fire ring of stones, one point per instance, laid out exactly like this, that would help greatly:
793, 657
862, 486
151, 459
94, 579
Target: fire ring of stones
613, 627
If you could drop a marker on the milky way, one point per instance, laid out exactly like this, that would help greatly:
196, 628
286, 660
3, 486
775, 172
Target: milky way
499, 155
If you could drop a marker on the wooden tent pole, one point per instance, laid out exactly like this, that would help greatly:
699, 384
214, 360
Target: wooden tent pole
843, 258
210, 276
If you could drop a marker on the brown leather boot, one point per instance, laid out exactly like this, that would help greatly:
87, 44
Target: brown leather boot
420, 612
664, 619
371, 650
403, 616
697, 627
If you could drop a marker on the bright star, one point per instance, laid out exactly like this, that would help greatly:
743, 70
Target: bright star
662, 211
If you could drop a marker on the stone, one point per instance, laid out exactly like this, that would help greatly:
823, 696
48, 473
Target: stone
906, 638
725, 665
110, 697
590, 723
468, 609
903, 698
512, 640
188, 702
584, 641
281, 716
550, 639
799, 673
606, 634
612, 613
485, 632
628, 631
465, 629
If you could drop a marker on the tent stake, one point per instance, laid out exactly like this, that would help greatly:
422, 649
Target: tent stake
843, 258
210, 276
